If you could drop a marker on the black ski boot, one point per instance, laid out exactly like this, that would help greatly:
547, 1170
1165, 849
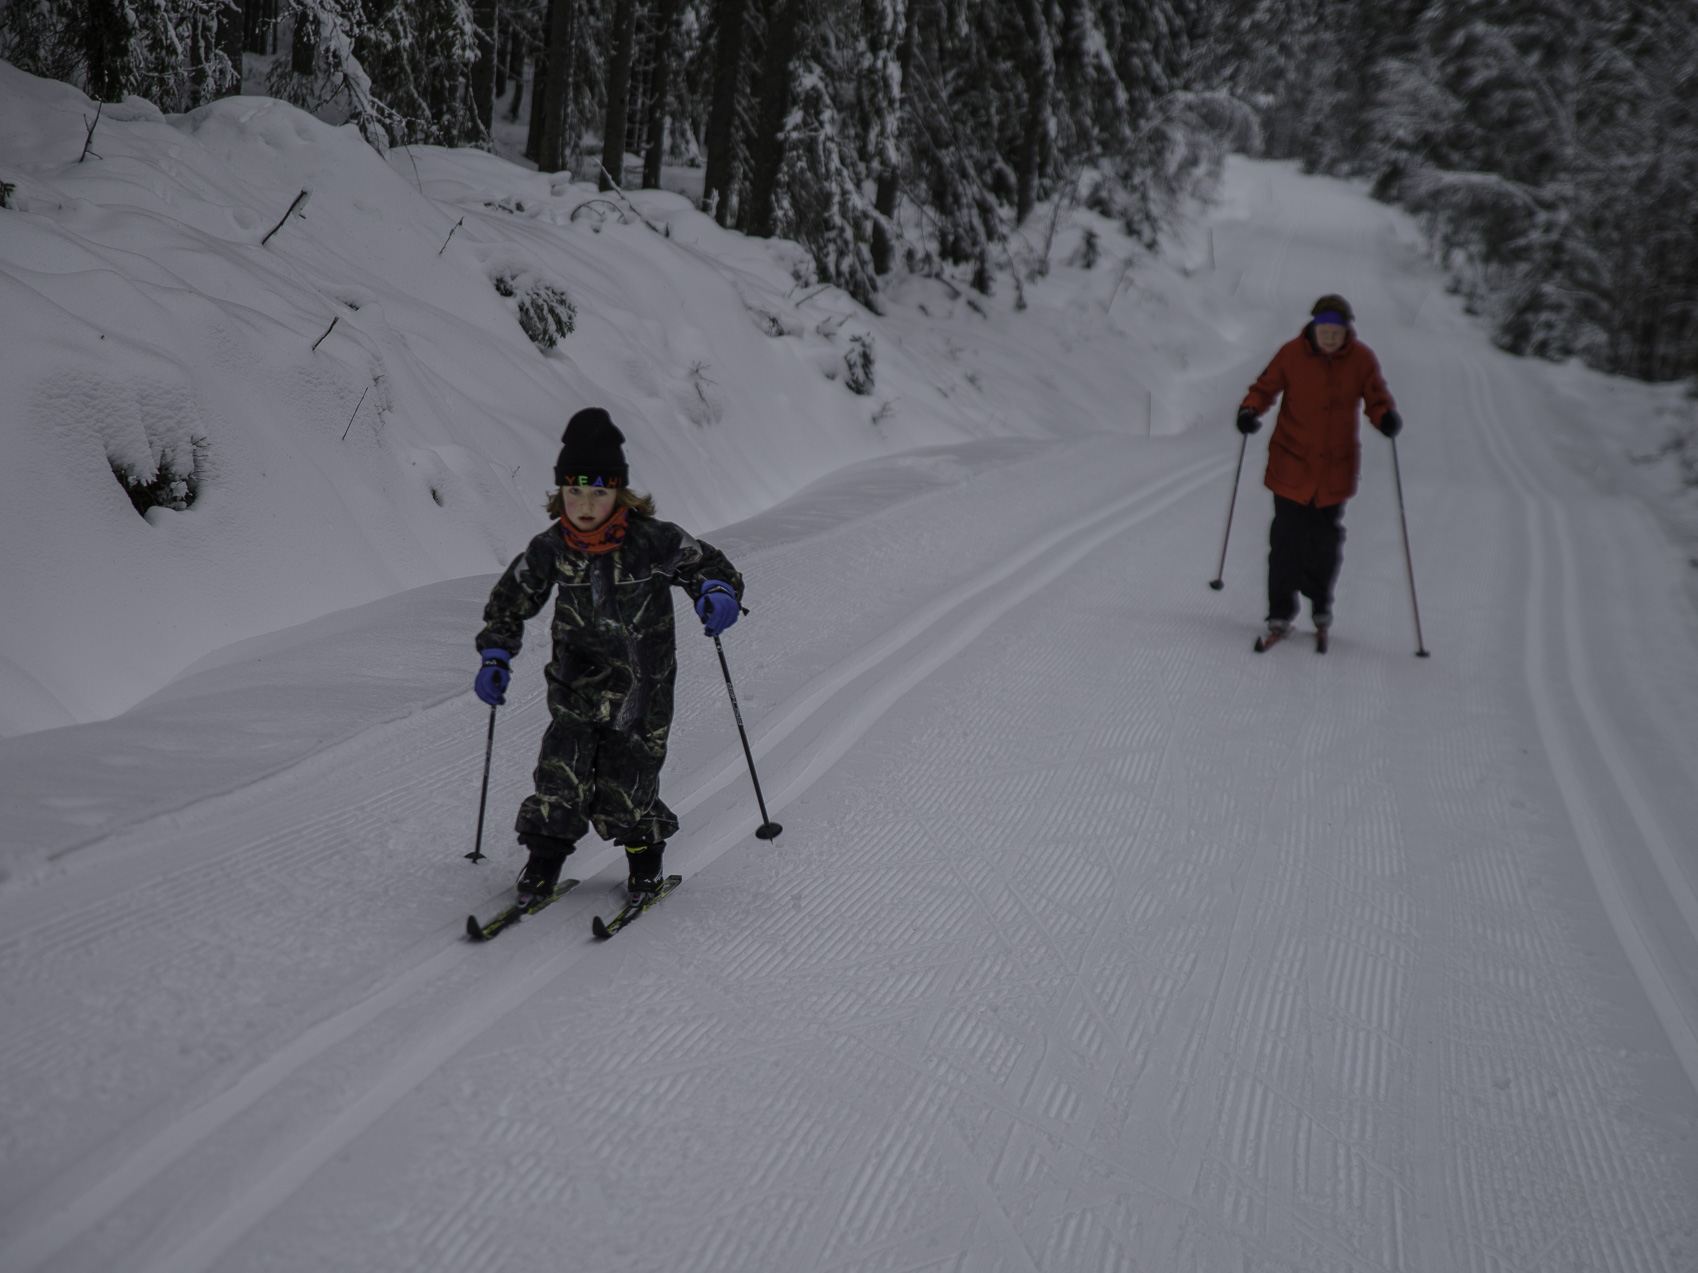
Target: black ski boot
542, 872
1323, 625
643, 862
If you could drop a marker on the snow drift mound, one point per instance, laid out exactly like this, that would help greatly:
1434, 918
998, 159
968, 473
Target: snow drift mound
188, 459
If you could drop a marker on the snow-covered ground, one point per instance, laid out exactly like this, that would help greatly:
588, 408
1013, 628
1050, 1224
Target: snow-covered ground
1093, 940
371, 415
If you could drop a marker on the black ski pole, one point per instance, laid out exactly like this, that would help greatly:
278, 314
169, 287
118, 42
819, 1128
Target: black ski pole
1409, 561
477, 854
769, 830
1219, 581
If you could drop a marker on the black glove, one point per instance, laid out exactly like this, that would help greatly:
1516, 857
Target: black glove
1248, 421
1391, 424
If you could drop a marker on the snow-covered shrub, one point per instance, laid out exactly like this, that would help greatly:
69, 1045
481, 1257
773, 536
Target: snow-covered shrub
858, 363
1089, 251
173, 483
704, 402
545, 311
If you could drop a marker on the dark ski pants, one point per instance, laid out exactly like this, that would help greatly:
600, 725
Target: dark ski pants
1305, 547
591, 773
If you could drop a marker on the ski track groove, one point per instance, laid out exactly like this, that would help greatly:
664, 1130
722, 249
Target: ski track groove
1544, 526
114, 1187
1482, 1192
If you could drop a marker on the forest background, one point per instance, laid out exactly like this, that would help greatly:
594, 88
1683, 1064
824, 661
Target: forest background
1549, 146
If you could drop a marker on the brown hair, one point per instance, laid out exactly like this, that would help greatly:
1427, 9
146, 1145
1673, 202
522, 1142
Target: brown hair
640, 504
1332, 300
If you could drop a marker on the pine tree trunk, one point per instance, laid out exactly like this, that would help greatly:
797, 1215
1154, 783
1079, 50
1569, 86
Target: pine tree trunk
884, 198
483, 70
232, 28
1038, 67
303, 43
720, 173
516, 71
618, 89
539, 84
665, 21
256, 17
766, 148
107, 49
553, 150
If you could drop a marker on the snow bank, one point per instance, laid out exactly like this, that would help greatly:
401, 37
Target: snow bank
146, 327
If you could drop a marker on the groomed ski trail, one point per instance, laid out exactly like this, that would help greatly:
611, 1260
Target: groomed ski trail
878, 675
1093, 940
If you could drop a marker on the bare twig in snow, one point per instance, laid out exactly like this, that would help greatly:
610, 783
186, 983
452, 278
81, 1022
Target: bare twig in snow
591, 203
334, 319
415, 163
444, 247
613, 181
1041, 269
89, 140
300, 202
357, 407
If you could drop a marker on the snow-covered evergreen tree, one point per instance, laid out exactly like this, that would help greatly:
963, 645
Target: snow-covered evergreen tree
169, 51
820, 198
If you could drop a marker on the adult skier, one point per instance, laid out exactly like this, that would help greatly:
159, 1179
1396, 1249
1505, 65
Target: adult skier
612, 565
1314, 457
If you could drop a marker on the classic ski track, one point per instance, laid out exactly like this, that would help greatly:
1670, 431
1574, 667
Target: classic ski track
68, 1221
807, 701
1064, 1108
1637, 933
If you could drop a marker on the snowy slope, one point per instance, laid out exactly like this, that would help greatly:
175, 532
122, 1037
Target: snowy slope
140, 312
1094, 941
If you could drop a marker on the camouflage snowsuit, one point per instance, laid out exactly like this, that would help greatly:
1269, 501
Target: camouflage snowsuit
610, 681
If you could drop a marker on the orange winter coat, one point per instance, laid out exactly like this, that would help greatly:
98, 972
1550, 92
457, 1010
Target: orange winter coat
1315, 452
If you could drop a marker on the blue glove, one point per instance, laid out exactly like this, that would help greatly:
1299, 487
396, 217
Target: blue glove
717, 606
493, 676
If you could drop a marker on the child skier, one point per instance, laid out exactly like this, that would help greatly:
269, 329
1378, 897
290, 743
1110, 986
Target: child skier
1314, 457
610, 681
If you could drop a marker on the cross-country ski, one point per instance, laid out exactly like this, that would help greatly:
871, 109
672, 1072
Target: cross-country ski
636, 906
530, 904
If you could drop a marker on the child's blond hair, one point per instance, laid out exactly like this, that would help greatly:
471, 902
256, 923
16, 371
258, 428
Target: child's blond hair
639, 503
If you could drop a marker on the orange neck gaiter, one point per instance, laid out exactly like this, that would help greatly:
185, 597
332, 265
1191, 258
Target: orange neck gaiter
603, 539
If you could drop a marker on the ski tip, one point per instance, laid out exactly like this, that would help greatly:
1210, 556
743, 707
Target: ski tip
474, 930
1259, 648
599, 929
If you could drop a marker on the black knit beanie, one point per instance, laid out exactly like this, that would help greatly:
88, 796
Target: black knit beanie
593, 454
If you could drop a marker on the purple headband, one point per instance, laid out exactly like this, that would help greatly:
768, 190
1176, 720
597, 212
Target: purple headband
1331, 316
